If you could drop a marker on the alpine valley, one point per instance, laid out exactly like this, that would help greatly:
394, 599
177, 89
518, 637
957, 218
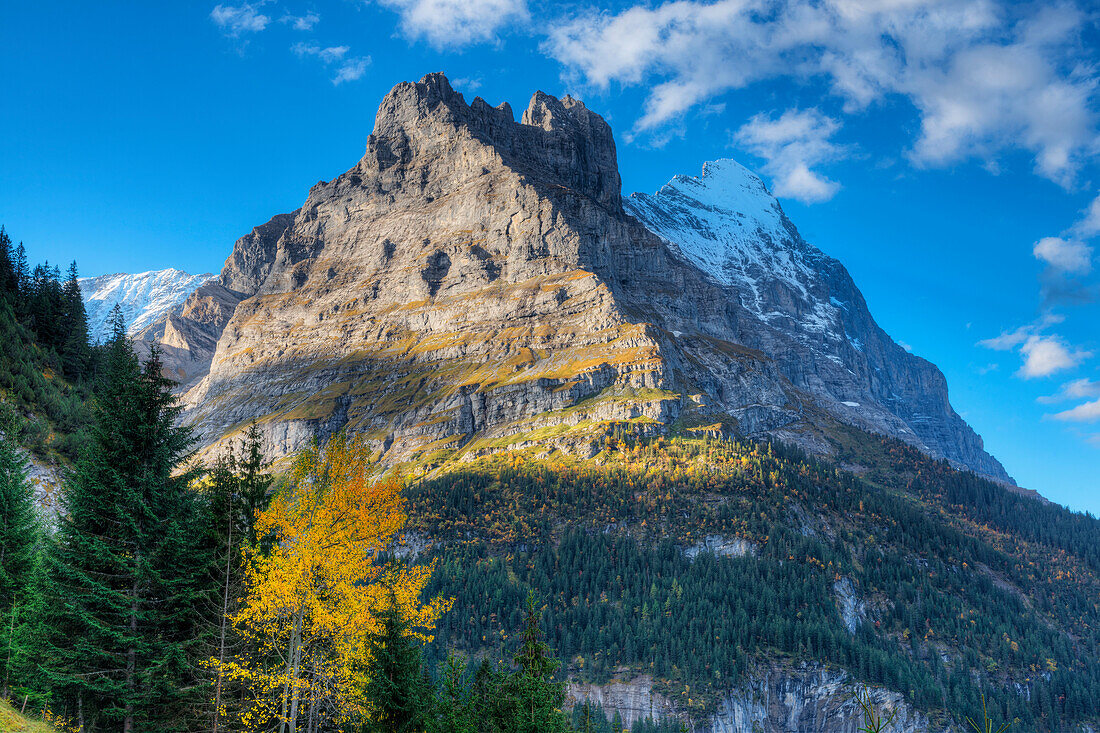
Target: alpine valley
739, 500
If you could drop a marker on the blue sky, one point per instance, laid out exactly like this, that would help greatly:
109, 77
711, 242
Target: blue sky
946, 151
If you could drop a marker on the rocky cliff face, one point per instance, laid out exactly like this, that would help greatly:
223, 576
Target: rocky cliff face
808, 698
802, 309
474, 282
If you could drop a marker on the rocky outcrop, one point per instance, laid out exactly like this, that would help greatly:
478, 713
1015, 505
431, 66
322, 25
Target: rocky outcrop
474, 282
808, 699
634, 699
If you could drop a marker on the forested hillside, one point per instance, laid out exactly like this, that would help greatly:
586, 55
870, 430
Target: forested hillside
696, 561
47, 366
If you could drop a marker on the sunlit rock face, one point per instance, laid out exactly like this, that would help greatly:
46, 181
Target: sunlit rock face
475, 282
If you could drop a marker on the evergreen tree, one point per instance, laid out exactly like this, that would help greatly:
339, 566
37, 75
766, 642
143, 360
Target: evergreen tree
74, 348
129, 570
237, 491
22, 271
537, 698
18, 541
454, 706
254, 485
397, 693
9, 281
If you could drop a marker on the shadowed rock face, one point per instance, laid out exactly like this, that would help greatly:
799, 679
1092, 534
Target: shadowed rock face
476, 282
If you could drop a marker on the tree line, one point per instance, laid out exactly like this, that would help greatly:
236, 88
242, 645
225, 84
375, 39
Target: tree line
48, 368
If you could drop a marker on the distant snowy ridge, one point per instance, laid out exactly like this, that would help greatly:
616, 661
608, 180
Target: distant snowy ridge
143, 297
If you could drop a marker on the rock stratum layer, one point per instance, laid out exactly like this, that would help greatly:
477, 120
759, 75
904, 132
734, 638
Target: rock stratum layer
475, 283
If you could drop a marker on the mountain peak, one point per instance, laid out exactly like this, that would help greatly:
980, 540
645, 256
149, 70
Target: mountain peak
490, 273
144, 297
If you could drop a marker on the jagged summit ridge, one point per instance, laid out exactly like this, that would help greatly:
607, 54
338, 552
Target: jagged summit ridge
475, 282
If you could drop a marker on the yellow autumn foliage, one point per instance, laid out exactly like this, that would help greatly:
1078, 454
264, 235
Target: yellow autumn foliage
310, 601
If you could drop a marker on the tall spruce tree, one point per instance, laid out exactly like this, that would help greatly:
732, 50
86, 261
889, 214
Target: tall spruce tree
128, 574
536, 697
397, 693
18, 541
74, 348
237, 491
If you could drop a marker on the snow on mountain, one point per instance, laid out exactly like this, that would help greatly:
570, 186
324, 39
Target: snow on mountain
810, 316
144, 297
728, 224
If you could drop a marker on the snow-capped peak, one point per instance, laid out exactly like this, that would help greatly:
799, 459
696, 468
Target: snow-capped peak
144, 297
728, 224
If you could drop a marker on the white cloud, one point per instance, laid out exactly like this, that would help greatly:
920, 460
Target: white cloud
1077, 389
1045, 355
981, 78
1089, 225
328, 55
235, 20
351, 69
1064, 255
301, 22
1085, 412
793, 145
1008, 340
456, 23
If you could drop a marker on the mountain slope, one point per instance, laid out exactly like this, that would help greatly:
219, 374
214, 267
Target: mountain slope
474, 282
807, 312
747, 587
144, 298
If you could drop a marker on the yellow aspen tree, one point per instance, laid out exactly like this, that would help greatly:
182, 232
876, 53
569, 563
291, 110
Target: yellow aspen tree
310, 601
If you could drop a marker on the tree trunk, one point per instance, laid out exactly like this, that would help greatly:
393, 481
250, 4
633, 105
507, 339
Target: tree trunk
224, 619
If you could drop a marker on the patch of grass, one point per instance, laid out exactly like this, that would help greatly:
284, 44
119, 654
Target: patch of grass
12, 722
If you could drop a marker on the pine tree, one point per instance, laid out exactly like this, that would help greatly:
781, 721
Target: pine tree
537, 698
22, 271
254, 485
18, 541
454, 707
129, 570
9, 281
74, 349
397, 694
237, 490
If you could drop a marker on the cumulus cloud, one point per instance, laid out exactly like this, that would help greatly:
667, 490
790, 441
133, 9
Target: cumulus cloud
456, 23
301, 22
982, 78
793, 144
1075, 390
1085, 412
1064, 255
235, 20
1046, 355
1042, 354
